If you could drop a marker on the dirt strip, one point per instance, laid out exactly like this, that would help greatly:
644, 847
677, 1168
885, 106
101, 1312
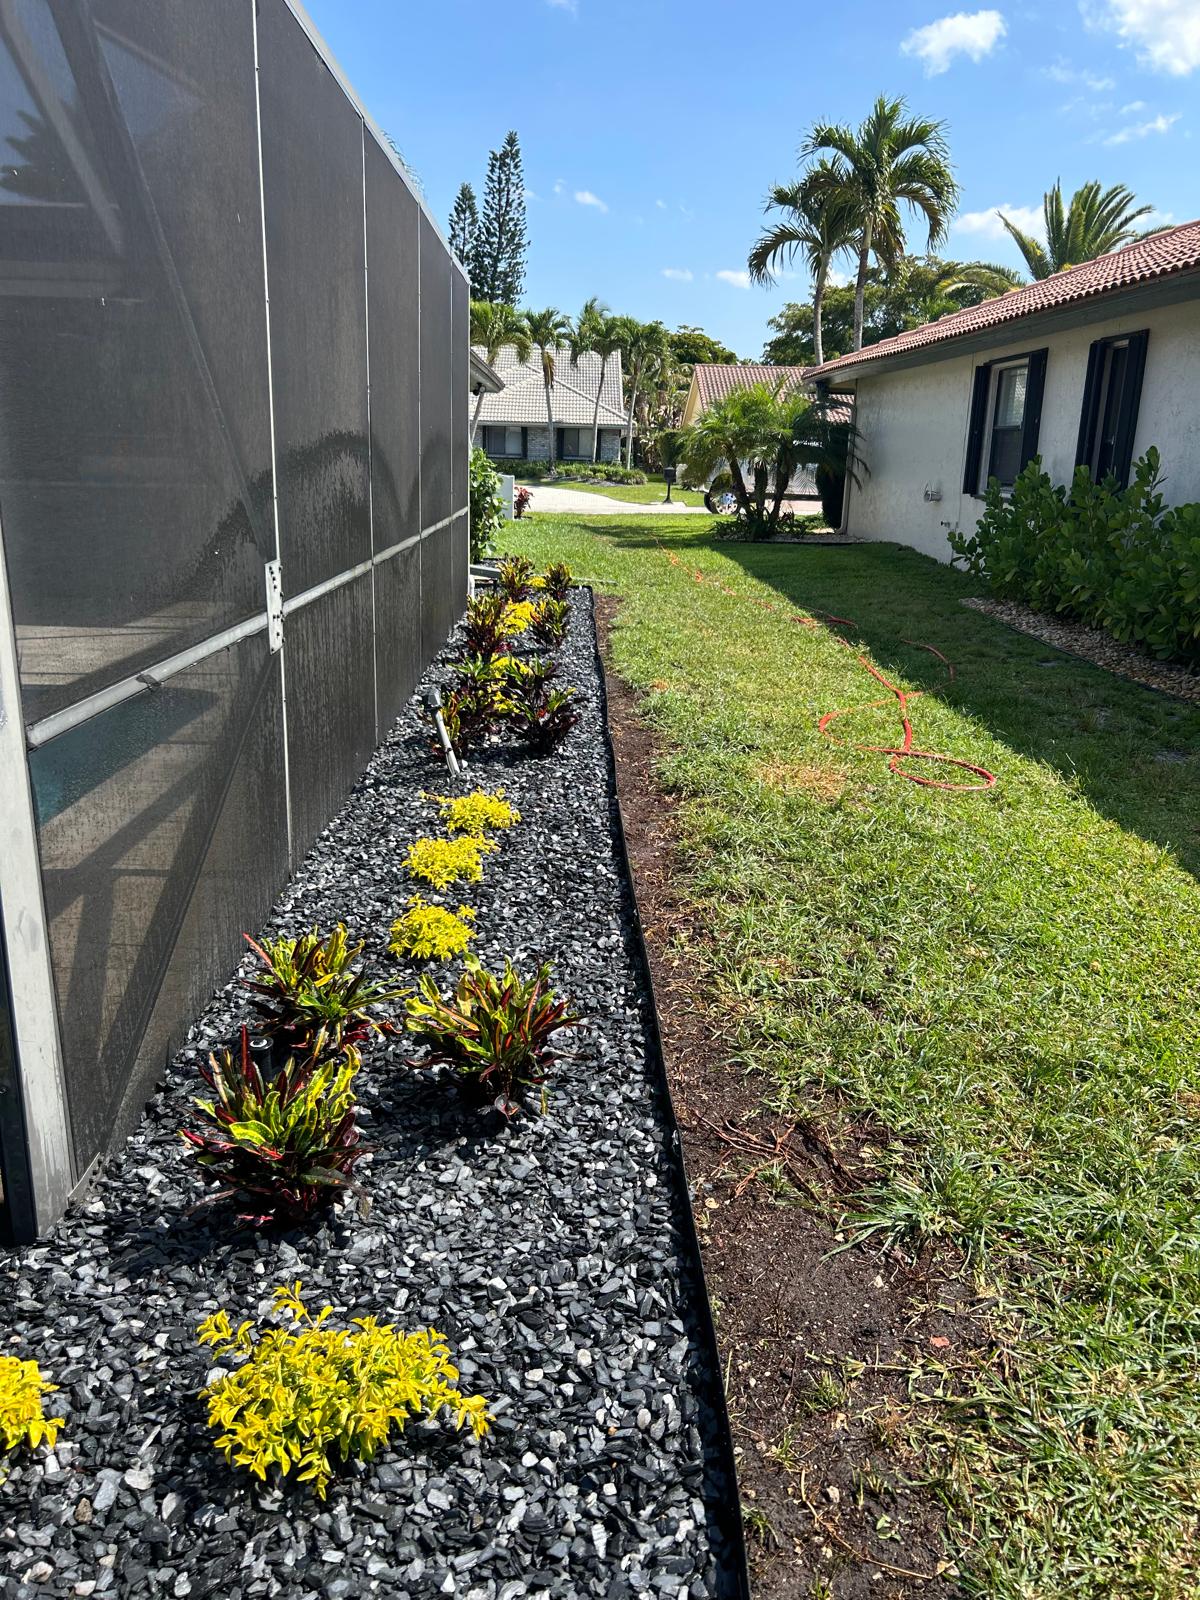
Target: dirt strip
818, 1348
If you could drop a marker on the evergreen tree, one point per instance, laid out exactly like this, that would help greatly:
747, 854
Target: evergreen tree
464, 224
497, 262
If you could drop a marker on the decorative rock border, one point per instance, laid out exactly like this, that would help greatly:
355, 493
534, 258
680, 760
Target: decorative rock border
1096, 646
556, 1253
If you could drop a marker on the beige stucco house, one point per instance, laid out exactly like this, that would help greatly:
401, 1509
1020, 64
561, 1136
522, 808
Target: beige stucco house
1092, 365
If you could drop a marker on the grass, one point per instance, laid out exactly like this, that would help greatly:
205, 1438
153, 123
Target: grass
644, 493
1010, 980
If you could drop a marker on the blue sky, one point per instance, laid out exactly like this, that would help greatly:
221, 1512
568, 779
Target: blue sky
651, 128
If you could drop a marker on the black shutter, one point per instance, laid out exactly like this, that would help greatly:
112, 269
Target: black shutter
558, 444
1131, 395
524, 444
1035, 383
1091, 400
979, 403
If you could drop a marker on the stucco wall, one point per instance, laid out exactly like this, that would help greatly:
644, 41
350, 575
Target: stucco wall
914, 425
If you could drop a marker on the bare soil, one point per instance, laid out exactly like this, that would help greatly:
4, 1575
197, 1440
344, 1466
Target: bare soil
818, 1341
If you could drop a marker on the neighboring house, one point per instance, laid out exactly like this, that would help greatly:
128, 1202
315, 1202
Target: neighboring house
712, 381
512, 423
1093, 365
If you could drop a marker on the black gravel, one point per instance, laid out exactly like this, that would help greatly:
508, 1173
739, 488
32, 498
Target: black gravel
551, 1251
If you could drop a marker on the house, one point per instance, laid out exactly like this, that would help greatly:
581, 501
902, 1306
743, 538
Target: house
713, 381
1090, 366
512, 422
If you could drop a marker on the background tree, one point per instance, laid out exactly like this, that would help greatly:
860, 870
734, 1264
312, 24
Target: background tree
689, 345
598, 332
890, 159
493, 327
917, 289
1093, 222
645, 346
549, 330
817, 223
464, 224
497, 264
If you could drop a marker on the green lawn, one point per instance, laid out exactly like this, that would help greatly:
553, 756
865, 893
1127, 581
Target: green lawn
1009, 980
645, 493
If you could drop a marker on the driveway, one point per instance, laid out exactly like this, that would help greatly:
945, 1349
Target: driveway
545, 497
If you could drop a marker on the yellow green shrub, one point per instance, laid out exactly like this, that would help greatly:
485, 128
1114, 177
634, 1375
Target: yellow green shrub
442, 862
475, 813
22, 1420
518, 617
305, 1396
430, 932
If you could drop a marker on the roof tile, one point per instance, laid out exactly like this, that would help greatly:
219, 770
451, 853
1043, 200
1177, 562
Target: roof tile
1162, 255
522, 401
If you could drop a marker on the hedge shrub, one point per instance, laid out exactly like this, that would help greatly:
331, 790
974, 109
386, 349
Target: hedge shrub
587, 471
1113, 558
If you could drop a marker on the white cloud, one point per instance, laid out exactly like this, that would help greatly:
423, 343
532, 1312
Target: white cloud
661, 204
1164, 33
975, 34
678, 274
585, 197
559, 186
1143, 130
1064, 72
836, 279
987, 223
528, 194
1134, 105
739, 280
563, 5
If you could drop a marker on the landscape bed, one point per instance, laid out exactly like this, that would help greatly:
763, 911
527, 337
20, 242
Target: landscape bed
553, 1251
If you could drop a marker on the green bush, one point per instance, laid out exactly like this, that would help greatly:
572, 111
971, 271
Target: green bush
487, 508
1113, 558
585, 471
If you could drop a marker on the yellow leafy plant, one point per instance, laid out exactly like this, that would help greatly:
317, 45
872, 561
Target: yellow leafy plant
22, 1420
442, 862
305, 1396
476, 812
428, 932
517, 617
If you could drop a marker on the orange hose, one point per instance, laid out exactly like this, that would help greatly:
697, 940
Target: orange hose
906, 750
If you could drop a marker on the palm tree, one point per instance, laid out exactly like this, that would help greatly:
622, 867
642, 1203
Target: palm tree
771, 431
891, 158
1094, 221
596, 332
818, 223
549, 330
647, 347
494, 326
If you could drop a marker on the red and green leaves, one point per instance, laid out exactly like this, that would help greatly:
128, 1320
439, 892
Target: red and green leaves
495, 1028
309, 986
282, 1143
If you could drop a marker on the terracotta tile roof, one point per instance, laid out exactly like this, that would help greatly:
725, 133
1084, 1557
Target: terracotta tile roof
1161, 256
714, 382
522, 400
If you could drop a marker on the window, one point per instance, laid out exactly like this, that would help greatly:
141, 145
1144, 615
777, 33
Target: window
1006, 415
571, 445
1112, 392
498, 441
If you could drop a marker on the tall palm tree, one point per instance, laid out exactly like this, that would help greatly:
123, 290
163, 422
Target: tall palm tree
494, 326
549, 330
818, 223
647, 347
890, 159
1093, 222
596, 332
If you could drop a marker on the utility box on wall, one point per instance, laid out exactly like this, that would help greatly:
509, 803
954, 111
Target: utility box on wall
232, 536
